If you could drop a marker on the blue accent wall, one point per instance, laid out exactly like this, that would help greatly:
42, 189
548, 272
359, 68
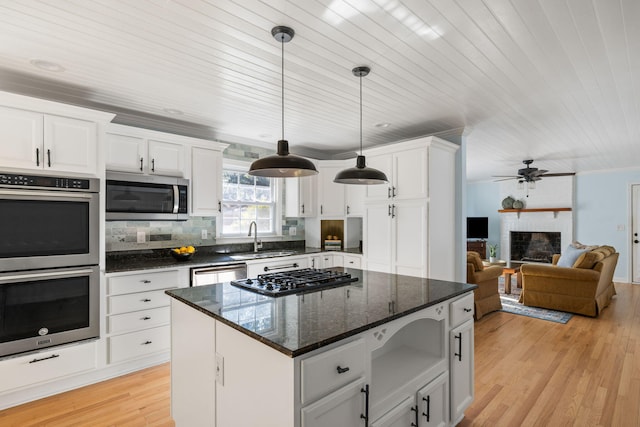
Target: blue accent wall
603, 202
483, 199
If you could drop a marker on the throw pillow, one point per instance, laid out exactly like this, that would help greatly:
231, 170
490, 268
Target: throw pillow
588, 259
569, 256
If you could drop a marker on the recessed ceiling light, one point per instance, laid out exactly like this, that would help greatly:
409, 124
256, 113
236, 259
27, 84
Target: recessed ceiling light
382, 125
47, 65
173, 111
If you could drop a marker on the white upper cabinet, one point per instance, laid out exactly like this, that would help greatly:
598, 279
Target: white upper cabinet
354, 199
139, 151
36, 134
30, 140
331, 194
301, 196
206, 181
406, 170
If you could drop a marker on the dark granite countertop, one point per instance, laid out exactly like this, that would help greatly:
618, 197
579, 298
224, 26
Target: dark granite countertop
297, 324
161, 258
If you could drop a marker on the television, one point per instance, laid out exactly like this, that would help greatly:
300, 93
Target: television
478, 227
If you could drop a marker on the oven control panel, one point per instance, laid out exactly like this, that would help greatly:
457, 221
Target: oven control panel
49, 182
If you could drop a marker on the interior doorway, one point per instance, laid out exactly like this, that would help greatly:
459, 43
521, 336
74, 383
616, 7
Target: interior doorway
635, 232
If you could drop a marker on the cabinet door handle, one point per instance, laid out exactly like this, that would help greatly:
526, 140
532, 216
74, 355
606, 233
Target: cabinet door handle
388, 192
427, 414
365, 416
389, 212
146, 281
347, 209
321, 209
459, 353
146, 300
37, 157
147, 342
342, 370
48, 157
53, 356
303, 208
153, 165
416, 415
313, 263
219, 206
393, 192
141, 163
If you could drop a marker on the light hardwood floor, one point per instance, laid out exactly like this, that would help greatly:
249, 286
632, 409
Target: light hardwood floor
529, 372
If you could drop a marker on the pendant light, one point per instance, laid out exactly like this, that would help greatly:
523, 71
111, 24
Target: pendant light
361, 174
282, 164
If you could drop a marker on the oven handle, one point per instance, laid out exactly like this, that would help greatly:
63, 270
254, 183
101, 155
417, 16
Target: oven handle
45, 275
46, 194
176, 199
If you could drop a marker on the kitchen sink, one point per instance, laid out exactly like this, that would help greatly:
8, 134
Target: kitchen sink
258, 255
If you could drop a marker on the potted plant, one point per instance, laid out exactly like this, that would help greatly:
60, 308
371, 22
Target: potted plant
493, 252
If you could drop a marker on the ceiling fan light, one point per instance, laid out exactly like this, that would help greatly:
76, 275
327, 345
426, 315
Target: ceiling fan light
361, 175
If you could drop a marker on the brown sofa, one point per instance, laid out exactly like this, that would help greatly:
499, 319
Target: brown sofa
486, 297
585, 288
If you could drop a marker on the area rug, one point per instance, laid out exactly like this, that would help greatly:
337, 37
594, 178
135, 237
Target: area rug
510, 304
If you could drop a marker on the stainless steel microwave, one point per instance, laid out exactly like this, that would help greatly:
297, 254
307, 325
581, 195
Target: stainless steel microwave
146, 197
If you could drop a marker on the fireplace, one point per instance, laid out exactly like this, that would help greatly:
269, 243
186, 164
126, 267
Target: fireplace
534, 246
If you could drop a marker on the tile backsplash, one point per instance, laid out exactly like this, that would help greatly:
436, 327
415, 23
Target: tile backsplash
123, 235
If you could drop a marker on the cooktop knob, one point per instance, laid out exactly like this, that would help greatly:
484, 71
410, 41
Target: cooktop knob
249, 281
269, 286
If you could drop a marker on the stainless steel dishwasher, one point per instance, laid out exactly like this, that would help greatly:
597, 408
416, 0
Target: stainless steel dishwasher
201, 276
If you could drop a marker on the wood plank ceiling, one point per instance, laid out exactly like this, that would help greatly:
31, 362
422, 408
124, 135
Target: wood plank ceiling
552, 80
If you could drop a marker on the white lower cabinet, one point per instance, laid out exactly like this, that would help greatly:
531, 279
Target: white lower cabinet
344, 407
461, 356
138, 313
47, 365
400, 416
428, 408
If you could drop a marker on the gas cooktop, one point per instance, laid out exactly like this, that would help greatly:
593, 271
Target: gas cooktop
295, 281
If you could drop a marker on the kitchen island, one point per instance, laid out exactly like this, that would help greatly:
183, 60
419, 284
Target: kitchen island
383, 350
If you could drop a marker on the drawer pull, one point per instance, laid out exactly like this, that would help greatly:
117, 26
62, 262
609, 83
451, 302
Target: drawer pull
146, 300
53, 356
468, 310
147, 342
145, 281
146, 318
342, 370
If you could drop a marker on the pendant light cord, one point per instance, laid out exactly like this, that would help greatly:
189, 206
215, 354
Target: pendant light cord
282, 68
361, 115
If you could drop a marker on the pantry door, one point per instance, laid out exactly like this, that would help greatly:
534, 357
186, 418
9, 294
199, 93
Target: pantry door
635, 230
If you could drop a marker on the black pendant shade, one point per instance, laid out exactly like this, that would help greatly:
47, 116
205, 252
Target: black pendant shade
282, 164
361, 174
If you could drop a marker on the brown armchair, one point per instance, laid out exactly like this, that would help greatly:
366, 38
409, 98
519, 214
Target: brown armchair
486, 297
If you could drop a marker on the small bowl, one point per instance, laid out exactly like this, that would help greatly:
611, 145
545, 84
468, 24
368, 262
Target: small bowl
182, 257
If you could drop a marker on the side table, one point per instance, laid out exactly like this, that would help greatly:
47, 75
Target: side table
507, 272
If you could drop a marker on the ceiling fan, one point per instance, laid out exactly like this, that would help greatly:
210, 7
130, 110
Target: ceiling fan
531, 174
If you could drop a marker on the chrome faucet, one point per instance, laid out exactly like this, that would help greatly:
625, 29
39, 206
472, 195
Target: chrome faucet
257, 244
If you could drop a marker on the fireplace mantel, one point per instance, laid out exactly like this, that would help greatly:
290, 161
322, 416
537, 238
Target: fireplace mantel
535, 210
519, 211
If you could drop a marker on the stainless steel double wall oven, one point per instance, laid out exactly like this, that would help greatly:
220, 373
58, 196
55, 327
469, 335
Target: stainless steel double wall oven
49, 255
